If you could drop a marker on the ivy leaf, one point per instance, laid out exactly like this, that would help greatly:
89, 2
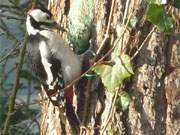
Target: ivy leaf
110, 131
113, 75
79, 24
123, 100
177, 3
157, 15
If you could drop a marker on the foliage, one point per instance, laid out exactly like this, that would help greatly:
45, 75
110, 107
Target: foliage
113, 72
123, 100
177, 3
112, 75
157, 15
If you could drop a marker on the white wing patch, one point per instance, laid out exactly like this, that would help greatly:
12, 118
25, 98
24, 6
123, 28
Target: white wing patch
47, 66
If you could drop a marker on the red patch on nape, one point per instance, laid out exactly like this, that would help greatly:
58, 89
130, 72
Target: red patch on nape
29, 12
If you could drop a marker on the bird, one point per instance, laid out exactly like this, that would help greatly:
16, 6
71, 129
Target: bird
53, 61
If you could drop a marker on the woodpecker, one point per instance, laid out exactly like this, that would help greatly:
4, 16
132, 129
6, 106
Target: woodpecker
53, 61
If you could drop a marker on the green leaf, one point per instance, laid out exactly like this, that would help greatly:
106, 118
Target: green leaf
79, 24
157, 15
123, 101
113, 75
177, 3
110, 131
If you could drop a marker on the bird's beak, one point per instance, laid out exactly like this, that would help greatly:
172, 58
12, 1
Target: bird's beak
52, 25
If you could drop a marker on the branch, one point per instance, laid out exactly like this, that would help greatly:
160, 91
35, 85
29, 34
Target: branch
95, 63
111, 112
9, 53
12, 17
177, 131
99, 61
98, 53
143, 43
8, 6
15, 87
107, 30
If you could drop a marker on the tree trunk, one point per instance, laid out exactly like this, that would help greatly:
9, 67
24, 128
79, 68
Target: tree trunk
155, 85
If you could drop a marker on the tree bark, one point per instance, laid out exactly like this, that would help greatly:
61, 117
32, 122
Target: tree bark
155, 85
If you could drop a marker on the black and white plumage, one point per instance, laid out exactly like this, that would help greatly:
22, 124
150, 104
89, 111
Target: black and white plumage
48, 51
52, 60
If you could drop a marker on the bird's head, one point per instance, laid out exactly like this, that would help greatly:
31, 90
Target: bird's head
39, 19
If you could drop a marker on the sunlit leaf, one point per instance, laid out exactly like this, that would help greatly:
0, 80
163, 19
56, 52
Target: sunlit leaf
110, 131
123, 100
113, 75
157, 15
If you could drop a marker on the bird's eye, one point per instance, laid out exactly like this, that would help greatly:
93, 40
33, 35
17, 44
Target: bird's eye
48, 17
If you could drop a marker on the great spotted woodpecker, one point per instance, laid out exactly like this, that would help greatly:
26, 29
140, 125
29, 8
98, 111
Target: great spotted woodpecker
55, 64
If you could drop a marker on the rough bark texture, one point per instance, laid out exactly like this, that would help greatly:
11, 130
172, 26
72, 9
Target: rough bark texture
50, 121
155, 85
148, 113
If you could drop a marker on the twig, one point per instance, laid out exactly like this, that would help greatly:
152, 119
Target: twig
124, 19
115, 45
5, 76
112, 109
98, 53
12, 17
143, 43
15, 87
8, 6
96, 63
107, 30
9, 53
99, 61
176, 133
125, 12
4, 27
111, 112
33, 120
